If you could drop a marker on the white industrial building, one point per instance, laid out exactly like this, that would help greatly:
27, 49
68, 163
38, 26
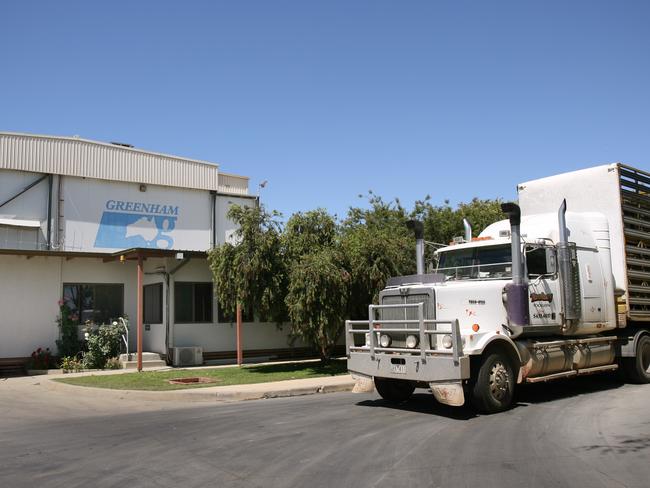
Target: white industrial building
75, 217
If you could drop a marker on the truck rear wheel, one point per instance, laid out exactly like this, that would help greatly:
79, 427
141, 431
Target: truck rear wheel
637, 369
394, 391
493, 389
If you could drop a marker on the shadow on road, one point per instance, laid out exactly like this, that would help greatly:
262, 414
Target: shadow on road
525, 395
424, 403
560, 389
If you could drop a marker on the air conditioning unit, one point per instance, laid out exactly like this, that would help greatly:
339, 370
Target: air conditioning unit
187, 356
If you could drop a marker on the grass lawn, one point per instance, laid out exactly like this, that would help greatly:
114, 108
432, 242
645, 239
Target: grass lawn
159, 380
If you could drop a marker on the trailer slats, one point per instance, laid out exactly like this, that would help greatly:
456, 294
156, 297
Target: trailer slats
635, 198
637, 251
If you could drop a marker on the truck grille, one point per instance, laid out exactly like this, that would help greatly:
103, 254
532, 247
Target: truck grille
399, 340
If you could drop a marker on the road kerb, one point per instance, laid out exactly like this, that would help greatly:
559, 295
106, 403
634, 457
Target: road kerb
232, 393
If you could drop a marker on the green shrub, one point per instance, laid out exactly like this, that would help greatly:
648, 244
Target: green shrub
103, 344
113, 363
68, 344
71, 364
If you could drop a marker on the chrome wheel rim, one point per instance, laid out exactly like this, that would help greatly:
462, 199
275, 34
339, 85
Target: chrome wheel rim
499, 381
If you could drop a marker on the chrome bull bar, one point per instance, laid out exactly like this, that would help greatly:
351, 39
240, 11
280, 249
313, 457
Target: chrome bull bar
423, 331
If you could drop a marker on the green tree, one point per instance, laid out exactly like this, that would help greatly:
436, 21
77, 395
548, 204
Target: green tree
308, 232
318, 299
377, 245
318, 273
481, 213
380, 214
317, 280
252, 270
442, 223
373, 255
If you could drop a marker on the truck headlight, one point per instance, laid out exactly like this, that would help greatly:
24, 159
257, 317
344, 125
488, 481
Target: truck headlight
447, 342
385, 340
412, 341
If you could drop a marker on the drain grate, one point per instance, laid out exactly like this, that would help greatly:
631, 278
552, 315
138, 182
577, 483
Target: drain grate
193, 380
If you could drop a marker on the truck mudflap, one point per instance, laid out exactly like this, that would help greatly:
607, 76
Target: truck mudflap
449, 393
443, 369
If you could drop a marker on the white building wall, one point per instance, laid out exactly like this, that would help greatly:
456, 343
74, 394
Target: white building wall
217, 336
29, 293
31, 288
225, 227
31, 205
105, 216
100, 213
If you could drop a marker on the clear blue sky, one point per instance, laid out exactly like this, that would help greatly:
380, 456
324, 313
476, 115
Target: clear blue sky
329, 99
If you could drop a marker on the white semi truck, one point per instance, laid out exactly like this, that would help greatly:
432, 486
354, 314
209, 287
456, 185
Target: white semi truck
560, 289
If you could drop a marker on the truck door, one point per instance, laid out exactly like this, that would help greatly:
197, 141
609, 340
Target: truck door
593, 290
543, 287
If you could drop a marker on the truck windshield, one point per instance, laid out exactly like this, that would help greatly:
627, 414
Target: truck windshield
476, 263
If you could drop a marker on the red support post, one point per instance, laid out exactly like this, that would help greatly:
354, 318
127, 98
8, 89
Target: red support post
139, 312
240, 354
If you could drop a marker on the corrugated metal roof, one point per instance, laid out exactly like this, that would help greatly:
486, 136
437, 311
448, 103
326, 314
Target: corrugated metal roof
73, 156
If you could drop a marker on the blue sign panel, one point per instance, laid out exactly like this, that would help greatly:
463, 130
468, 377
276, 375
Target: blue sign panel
134, 224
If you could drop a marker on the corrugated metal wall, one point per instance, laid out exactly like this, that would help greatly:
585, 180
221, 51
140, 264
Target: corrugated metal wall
233, 184
79, 157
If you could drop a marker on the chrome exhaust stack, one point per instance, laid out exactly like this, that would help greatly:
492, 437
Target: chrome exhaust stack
516, 293
418, 228
569, 274
468, 230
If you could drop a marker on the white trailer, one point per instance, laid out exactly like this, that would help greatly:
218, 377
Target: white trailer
560, 289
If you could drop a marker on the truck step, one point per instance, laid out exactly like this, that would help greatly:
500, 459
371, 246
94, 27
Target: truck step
573, 372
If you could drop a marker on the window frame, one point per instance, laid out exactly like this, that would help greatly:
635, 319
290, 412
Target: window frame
210, 309
78, 301
545, 250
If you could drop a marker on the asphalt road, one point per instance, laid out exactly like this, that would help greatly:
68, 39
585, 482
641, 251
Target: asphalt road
591, 432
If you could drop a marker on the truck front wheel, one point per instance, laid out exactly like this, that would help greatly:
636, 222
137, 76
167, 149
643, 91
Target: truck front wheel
493, 389
637, 369
394, 391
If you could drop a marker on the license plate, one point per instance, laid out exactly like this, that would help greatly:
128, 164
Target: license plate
398, 368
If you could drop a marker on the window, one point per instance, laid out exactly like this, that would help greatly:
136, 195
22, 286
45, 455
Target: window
536, 261
478, 262
192, 302
98, 303
153, 304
